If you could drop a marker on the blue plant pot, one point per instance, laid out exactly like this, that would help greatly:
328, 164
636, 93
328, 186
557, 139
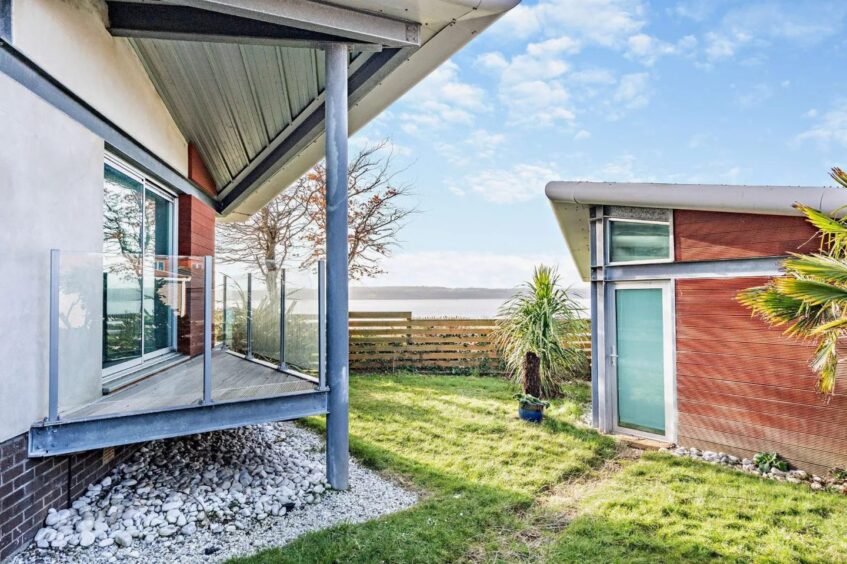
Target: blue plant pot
531, 413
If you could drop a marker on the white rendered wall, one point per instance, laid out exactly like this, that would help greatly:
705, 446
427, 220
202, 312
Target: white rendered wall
51, 185
68, 39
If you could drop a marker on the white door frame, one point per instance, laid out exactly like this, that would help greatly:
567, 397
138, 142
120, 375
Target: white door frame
668, 351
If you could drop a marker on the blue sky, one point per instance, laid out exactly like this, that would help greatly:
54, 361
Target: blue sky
704, 91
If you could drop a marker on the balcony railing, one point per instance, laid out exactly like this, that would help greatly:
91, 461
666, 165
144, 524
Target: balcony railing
132, 334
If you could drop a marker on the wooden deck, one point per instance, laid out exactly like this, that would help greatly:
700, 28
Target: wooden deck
233, 378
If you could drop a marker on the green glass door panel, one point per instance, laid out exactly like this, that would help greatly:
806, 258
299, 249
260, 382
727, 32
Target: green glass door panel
639, 320
158, 315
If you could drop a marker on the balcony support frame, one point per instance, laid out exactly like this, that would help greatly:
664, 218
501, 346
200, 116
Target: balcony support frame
52, 439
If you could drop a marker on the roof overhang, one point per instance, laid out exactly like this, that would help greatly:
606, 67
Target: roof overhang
572, 201
243, 79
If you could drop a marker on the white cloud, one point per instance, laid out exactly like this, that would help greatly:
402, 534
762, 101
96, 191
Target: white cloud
581, 135
696, 10
759, 24
621, 169
812, 113
531, 85
442, 99
633, 91
556, 46
480, 144
592, 77
600, 22
756, 95
831, 127
521, 183
478, 269
647, 49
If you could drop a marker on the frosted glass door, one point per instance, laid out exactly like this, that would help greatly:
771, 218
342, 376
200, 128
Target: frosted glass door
639, 320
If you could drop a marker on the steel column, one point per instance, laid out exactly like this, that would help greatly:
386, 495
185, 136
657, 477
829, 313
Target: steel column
337, 353
249, 354
207, 330
53, 388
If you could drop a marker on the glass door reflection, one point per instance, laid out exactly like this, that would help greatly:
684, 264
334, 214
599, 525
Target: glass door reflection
137, 245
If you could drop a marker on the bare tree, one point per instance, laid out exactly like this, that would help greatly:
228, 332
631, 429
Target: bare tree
375, 210
267, 240
293, 225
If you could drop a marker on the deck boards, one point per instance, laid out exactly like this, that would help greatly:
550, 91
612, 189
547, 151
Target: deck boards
233, 378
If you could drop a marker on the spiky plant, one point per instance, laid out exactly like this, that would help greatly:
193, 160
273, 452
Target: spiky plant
537, 331
810, 299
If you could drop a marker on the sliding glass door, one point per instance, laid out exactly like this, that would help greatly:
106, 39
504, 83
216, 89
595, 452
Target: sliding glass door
138, 244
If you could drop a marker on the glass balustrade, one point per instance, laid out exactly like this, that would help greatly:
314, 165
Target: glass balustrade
132, 333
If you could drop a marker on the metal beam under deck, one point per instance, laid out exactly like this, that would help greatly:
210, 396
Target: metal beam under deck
184, 23
66, 437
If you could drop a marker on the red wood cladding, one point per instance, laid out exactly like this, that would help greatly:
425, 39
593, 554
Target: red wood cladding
196, 239
744, 387
703, 235
198, 173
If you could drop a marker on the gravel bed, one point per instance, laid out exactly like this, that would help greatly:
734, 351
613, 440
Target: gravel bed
206, 498
837, 482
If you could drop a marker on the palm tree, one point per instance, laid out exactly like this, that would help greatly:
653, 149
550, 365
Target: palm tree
811, 297
537, 331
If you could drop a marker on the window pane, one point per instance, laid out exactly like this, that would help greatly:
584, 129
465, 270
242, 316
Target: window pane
631, 241
122, 221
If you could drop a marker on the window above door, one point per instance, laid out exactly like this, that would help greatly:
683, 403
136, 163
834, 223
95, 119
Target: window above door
638, 236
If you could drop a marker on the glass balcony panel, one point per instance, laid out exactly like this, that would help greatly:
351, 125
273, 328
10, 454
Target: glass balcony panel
301, 321
130, 333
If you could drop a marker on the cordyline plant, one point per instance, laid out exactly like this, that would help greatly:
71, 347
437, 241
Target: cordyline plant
811, 297
537, 331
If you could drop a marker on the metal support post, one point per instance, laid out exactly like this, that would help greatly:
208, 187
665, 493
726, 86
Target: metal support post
53, 389
208, 297
282, 365
249, 354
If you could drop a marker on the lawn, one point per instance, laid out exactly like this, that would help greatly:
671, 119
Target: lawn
495, 488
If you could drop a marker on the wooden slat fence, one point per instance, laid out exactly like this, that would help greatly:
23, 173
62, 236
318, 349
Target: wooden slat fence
394, 340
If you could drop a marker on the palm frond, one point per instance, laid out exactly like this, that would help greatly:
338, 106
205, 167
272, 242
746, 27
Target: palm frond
811, 292
824, 267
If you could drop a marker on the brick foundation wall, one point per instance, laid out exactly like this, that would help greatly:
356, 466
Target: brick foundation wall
31, 486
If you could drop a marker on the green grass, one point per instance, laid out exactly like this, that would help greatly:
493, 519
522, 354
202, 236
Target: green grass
663, 508
497, 489
458, 440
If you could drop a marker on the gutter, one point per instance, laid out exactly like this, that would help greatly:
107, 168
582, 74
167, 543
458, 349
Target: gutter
769, 200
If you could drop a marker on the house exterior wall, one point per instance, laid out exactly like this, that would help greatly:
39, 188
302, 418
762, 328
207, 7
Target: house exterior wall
705, 235
196, 239
744, 387
741, 386
29, 487
69, 40
51, 178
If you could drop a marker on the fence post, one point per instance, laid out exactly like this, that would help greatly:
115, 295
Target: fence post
282, 365
207, 330
53, 390
321, 324
249, 354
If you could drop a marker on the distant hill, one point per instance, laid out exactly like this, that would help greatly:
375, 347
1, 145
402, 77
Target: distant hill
428, 293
